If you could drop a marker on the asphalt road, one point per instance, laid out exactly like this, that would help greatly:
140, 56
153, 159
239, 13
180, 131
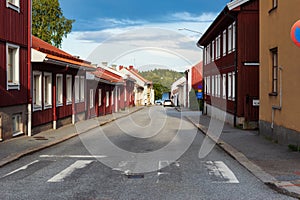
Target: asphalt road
152, 154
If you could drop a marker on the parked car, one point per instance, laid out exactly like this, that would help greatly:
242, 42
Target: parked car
168, 102
158, 102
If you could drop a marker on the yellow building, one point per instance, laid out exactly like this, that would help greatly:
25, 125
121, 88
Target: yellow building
279, 71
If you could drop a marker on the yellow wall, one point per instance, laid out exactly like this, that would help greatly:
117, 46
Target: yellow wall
275, 32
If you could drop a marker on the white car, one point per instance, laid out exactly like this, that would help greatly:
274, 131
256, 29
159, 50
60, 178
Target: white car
168, 102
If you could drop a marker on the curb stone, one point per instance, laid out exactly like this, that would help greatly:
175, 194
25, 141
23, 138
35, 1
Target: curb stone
284, 187
17, 156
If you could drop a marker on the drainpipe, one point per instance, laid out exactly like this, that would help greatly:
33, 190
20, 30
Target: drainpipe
29, 96
236, 72
277, 107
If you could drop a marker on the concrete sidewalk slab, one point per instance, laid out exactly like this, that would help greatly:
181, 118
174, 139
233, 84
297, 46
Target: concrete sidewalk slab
16, 148
273, 164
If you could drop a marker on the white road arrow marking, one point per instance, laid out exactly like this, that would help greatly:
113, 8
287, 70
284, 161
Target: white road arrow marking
222, 171
20, 169
68, 171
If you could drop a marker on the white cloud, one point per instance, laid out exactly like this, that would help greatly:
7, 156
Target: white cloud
129, 35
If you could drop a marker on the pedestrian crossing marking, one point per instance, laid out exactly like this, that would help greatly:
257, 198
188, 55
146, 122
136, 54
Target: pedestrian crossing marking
220, 170
79, 164
21, 168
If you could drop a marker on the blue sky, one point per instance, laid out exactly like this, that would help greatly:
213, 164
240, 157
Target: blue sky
102, 21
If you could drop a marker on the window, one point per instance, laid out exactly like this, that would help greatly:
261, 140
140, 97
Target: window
99, 97
218, 47
233, 36
59, 90
47, 90
16, 124
107, 99
233, 86
82, 86
112, 98
205, 55
13, 65
274, 56
125, 93
218, 83
69, 91
208, 85
119, 94
77, 89
37, 90
224, 86
229, 85
213, 51
230, 39
224, 43
212, 85
205, 85
13, 4
91, 98
208, 54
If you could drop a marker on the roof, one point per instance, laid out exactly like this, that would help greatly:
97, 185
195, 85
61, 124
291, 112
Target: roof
106, 75
46, 51
234, 4
135, 73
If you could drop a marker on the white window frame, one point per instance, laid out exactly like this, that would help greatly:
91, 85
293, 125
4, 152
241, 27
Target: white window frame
13, 4
224, 86
37, 92
230, 39
13, 84
224, 43
112, 97
208, 85
233, 86
119, 94
107, 98
125, 93
229, 86
59, 90
205, 55
16, 124
213, 85
99, 97
77, 89
233, 36
91, 98
219, 85
82, 88
218, 47
213, 50
47, 88
208, 54
69, 89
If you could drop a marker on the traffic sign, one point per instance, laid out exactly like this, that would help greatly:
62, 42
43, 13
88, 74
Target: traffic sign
295, 33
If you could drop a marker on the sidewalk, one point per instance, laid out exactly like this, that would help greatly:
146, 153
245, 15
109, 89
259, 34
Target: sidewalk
16, 148
272, 163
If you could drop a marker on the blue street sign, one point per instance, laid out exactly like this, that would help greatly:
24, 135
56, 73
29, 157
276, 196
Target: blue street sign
199, 95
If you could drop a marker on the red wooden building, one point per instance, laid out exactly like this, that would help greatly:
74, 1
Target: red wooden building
197, 76
58, 86
14, 66
231, 64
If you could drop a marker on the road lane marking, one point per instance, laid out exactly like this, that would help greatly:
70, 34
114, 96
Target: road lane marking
21, 168
73, 156
79, 164
220, 170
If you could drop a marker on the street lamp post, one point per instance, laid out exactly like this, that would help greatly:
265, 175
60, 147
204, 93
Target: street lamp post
186, 29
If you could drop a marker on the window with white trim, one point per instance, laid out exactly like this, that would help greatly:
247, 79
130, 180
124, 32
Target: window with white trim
112, 97
229, 85
119, 94
77, 89
69, 88
205, 85
13, 4
233, 86
230, 39
13, 66
218, 47
208, 54
213, 86
205, 55
82, 90
213, 50
208, 85
233, 36
224, 43
91, 98
99, 97
218, 77
47, 90
59, 90
107, 99
125, 93
37, 90
224, 86
16, 124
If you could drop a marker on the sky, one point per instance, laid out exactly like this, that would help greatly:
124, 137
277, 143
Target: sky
141, 33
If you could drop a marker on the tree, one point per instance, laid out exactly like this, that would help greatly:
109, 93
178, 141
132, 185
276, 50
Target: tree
159, 89
48, 22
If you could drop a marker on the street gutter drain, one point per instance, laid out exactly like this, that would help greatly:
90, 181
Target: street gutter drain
40, 138
135, 176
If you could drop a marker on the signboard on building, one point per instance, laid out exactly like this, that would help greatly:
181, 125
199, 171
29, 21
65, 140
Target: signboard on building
295, 33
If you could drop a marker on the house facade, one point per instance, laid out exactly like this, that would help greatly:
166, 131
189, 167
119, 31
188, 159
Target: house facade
58, 87
178, 92
279, 71
231, 64
15, 41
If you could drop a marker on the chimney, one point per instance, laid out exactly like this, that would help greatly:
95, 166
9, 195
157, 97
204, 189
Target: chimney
120, 67
130, 67
104, 64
